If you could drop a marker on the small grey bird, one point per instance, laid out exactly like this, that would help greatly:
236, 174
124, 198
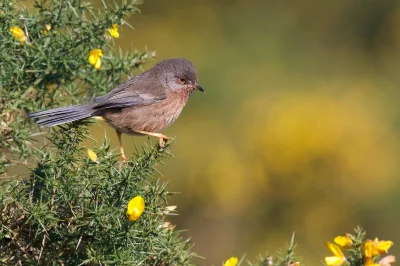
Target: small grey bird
145, 104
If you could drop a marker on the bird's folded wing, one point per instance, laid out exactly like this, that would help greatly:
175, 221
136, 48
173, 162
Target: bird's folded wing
126, 99
130, 94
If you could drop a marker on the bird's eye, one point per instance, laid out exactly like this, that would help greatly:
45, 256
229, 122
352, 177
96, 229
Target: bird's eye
181, 80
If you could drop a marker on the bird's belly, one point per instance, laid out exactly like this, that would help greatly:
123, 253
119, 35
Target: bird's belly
150, 118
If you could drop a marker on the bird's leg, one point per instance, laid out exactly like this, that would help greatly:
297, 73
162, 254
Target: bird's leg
161, 138
120, 146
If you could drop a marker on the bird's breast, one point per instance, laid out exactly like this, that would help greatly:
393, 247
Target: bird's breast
151, 118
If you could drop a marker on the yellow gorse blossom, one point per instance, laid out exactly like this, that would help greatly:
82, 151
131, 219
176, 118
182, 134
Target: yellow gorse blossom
48, 28
370, 262
92, 155
114, 31
376, 247
232, 261
18, 34
343, 241
94, 58
135, 208
338, 257
382, 246
369, 249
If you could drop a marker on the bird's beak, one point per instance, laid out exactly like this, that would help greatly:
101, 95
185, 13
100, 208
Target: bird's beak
199, 88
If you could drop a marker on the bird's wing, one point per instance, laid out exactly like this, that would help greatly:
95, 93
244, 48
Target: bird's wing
141, 90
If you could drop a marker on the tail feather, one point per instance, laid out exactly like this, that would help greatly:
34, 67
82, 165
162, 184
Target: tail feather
62, 115
54, 121
54, 111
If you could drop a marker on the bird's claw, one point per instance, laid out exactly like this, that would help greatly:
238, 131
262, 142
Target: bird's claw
123, 161
162, 141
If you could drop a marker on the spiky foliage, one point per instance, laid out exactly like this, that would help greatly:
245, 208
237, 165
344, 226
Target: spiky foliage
69, 210
285, 257
51, 67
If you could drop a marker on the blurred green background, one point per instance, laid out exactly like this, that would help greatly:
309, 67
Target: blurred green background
299, 128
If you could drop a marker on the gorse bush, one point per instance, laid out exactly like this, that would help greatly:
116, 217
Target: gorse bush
71, 209
44, 60
78, 206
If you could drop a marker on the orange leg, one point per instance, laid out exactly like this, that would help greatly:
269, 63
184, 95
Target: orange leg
120, 146
162, 139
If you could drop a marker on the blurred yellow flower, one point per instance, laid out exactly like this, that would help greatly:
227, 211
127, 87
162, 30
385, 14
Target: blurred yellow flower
114, 31
376, 247
232, 261
92, 155
18, 34
48, 28
135, 208
94, 58
369, 249
343, 241
338, 258
370, 262
382, 246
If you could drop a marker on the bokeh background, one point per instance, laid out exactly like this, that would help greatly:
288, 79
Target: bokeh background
299, 128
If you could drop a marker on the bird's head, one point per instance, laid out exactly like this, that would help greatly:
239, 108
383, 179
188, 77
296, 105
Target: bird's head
178, 75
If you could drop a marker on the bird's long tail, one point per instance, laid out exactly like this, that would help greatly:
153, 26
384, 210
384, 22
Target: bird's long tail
62, 115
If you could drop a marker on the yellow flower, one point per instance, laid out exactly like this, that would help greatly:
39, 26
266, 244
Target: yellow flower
92, 155
94, 58
343, 241
232, 261
18, 34
48, 28
114, 31
376, 247
370, 262
369, 249
382, 246
135, 208
338, 258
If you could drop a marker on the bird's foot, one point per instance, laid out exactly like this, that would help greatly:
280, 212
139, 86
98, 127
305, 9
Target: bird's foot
121, 149
123, 161
162, 140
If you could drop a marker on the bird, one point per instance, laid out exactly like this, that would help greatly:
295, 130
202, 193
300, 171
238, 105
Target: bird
143, 105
